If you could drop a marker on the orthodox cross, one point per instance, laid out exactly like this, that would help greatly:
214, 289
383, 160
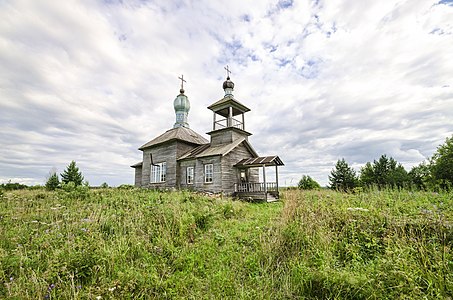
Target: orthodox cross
228, 71
182, 81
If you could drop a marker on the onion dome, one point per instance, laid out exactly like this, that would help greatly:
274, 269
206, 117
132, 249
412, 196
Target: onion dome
182, 107
228, 86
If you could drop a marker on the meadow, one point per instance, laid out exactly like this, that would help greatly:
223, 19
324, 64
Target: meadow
142, 244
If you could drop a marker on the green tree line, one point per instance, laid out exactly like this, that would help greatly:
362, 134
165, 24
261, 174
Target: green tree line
385, 172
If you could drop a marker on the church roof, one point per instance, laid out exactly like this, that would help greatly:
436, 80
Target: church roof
224, 149
180, 133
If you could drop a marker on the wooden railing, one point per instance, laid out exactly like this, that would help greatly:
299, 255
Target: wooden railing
251, 187
224, 123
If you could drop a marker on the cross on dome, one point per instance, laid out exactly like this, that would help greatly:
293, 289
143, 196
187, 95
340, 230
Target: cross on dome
228, 71
182, 82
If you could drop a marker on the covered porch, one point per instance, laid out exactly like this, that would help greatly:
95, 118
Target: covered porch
267, 190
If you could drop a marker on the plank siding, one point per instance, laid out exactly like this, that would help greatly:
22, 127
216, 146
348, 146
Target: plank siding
181, 148
167, 152
230, 175
161, 153
226, 136
138, 176
183, 174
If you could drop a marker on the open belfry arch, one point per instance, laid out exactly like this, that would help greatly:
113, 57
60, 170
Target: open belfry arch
182, 158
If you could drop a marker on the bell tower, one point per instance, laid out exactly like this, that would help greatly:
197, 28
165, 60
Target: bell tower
229, 122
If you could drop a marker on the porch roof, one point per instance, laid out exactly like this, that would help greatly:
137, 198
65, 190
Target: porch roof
137, 165
260, 161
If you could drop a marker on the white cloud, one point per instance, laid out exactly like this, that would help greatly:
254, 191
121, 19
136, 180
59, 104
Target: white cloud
92, 81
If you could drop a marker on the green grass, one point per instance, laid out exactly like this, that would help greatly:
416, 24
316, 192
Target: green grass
129, 244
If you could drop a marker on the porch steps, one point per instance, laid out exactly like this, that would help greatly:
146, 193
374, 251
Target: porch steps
271, 198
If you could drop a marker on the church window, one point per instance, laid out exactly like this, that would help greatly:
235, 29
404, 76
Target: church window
208, 173
158, 172
190, 175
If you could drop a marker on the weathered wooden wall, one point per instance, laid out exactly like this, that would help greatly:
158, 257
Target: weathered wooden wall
215, 186
230, 175
138, 176
166, 152
226, 136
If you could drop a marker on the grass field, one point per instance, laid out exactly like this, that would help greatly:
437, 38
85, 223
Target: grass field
123, 244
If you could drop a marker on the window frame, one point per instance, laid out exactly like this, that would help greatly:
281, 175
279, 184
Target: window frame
208, 174
190, 175
158, 172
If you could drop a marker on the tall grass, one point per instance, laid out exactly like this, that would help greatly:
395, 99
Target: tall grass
129, 244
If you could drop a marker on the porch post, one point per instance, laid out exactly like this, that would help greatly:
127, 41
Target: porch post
243, 122
276, 177
213, 123
265, 185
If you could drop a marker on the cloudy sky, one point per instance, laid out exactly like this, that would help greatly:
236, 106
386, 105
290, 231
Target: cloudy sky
91, 81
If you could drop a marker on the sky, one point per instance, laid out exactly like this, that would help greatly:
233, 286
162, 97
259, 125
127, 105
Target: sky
92, 81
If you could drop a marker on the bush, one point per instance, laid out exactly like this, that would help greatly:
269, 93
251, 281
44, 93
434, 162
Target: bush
308, 183
12, 186
126, 187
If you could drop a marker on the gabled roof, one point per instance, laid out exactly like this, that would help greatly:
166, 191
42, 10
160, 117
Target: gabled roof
180, 133
208, 150
260, 161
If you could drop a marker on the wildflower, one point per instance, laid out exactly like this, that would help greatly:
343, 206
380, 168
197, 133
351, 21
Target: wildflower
98, 298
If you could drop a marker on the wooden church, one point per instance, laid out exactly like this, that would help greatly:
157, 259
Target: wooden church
181, 158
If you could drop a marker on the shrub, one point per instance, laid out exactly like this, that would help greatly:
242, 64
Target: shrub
12, 186
308, 183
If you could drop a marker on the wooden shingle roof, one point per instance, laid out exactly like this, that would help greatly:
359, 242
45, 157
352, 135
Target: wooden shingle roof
224, 149
260, 161
181, 133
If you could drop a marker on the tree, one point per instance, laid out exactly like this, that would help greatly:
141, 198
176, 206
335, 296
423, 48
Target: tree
72, 174
366, 175
420, 176
308, 183
385, 172
343, 177
441, 164
53, 182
